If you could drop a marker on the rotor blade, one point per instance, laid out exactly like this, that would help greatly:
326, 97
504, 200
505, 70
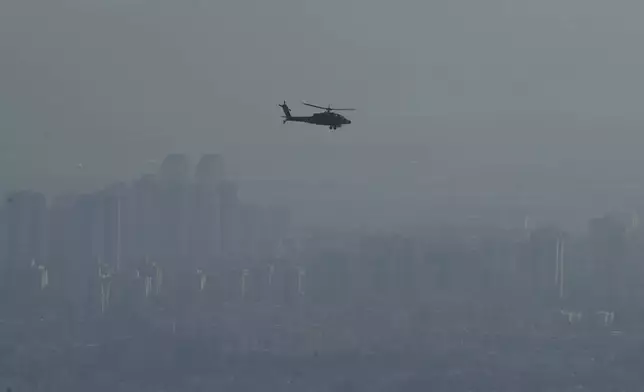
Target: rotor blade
313, 106
323, 107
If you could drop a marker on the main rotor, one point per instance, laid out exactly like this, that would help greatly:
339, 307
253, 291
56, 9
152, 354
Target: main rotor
328, 109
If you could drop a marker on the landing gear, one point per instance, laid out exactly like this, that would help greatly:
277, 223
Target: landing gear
332, 127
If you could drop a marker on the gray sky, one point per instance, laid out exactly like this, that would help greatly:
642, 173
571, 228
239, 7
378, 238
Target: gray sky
451, 85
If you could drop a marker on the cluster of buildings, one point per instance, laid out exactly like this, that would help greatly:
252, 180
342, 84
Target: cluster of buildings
183, 235
182, 218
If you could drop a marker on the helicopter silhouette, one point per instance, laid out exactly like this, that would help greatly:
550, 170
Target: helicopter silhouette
327, 117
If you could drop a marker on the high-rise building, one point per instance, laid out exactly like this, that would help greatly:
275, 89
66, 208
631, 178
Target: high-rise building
210, 169
3, 239
542, 261
61, 238
114, 214
607, 237
249, 225
261, 229
79, 269
277, 227
86, 221
175, 207
206, 233
175, 168
26, 216
229, 207
145, 228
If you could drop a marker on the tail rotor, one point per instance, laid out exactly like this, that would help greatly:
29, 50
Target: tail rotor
287, 112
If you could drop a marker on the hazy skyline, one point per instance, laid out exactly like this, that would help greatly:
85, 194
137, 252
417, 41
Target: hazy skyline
457, 84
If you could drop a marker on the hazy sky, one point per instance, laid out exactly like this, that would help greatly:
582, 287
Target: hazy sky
115, 83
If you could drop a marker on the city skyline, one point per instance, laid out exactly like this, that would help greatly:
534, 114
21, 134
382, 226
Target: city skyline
184, 211
476, 227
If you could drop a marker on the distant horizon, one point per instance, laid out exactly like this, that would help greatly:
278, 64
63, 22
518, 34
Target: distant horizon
328, 200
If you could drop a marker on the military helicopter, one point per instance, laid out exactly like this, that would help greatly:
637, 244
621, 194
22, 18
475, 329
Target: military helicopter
327, 118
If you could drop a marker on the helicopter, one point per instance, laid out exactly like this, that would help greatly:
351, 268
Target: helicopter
327, 118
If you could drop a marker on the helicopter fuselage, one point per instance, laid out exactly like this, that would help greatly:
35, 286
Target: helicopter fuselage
324, 118
327, 118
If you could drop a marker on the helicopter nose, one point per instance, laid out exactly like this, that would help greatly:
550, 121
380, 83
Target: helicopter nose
348, 121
